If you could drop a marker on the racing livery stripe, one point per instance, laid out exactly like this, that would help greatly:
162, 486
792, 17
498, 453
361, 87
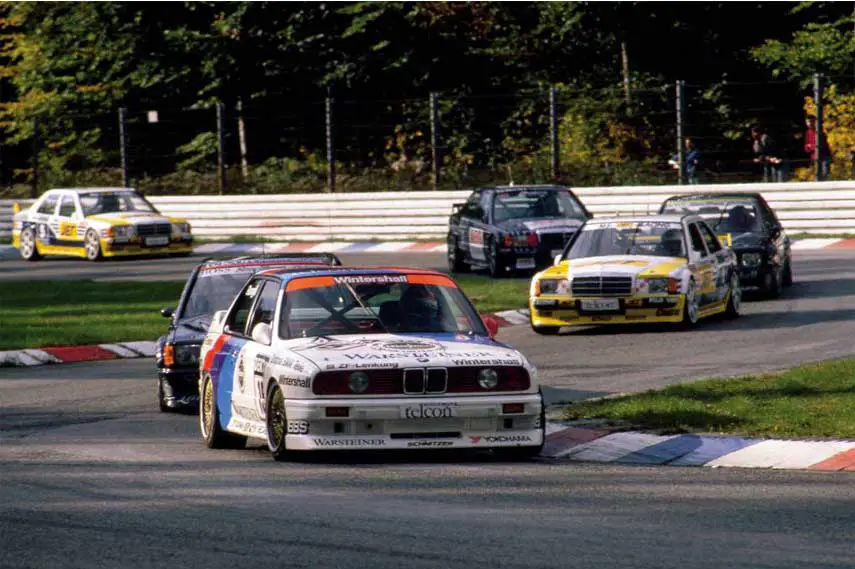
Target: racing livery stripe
209, 356
309, 282
431, 280
223, 376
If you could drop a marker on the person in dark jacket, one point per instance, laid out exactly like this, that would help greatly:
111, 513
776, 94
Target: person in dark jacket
811, 148
766, 154
692, 159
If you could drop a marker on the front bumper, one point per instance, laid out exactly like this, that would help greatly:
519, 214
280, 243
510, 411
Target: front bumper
180, 386
113, 248
554, 310
528, 258
400, 423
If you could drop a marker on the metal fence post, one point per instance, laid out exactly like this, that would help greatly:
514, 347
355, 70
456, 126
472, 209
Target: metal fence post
820, 134
434, 140
553, 133
34, 188
681, 162
221, 150
123, 145
330, 142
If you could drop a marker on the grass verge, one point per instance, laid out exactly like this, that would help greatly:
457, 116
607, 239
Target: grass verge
68, 313
816, 400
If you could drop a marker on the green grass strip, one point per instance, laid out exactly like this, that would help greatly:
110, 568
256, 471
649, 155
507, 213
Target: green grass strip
816, 400
35, 314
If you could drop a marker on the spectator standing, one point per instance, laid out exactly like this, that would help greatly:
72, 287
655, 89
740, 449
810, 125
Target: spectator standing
692, 159
824, 163
766, 154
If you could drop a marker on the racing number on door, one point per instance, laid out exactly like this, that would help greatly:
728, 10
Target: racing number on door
67, 229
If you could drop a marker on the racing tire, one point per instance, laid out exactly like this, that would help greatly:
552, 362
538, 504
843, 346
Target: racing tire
209, 421
493, 260
772, 284
691, 308
456, 264
787, 277
27, 247
734, 301
92, 246
546, 330
277, 423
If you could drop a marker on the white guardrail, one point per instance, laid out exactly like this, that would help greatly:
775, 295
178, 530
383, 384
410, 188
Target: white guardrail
803, 207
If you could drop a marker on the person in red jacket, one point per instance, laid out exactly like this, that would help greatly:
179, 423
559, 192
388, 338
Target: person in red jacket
810, 147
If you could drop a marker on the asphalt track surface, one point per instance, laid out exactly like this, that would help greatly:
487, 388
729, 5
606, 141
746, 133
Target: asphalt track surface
91, 475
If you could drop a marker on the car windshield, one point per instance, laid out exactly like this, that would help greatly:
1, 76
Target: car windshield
214, 290
722, 215
94, 203
529, 203
656, 238
368, 304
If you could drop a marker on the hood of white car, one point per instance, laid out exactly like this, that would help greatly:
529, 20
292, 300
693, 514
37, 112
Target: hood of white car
624, 266
132, 217
394, 350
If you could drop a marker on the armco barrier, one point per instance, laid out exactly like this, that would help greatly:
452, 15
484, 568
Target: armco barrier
803, 207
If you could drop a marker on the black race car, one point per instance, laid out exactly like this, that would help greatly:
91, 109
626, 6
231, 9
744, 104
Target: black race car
512, 228
212, 286
745, 222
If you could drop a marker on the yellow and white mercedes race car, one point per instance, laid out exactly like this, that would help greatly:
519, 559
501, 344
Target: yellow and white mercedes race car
97, 222
657, 268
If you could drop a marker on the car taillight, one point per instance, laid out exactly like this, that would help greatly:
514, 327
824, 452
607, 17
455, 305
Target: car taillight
532, 239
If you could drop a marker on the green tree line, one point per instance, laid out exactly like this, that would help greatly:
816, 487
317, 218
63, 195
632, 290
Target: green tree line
67, 67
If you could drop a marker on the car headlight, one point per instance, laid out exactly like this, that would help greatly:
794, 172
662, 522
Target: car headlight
358, 382
657, 286
123, 231
187, 355
180, 354
488, 378
181, 228
752, 259
554, 286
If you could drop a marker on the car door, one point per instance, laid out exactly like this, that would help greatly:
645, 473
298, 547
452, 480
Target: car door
705, 265
721, 257
230, 373
41, 219
472, 227
259, 351
65, 222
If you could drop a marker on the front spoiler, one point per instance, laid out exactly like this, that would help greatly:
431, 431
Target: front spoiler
565, 315
469, 440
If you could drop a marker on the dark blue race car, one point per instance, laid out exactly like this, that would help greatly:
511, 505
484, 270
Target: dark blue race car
506, 229
212, 286
745, 222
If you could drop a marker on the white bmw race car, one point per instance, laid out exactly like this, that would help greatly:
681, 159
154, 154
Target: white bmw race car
339, 358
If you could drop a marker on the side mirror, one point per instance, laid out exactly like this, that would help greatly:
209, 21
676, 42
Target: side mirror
16, 208
261, 333
775, 232
492, 325
589, 215
167, 312
217, 319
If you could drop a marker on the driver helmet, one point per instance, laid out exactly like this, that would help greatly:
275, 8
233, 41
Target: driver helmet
419, 309
671, 242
